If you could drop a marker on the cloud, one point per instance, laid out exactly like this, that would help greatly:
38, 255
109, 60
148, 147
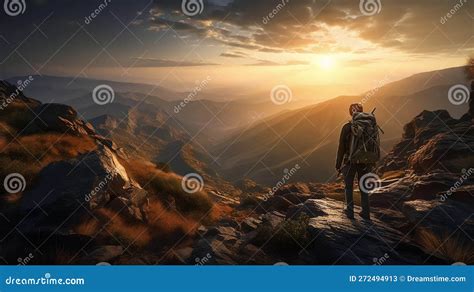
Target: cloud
234, 55
302, 25
271, 63
150, 62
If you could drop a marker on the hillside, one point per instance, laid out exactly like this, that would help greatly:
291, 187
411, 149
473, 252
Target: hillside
308, 136
71, 196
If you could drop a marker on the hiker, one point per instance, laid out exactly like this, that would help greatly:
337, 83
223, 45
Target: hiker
359, 150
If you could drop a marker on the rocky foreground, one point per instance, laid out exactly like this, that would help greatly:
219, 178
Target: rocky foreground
423, 206
84, 204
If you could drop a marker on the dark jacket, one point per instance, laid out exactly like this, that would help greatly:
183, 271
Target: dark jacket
344, 146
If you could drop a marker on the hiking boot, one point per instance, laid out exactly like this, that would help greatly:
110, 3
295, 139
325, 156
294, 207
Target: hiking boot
364, 215
349, 213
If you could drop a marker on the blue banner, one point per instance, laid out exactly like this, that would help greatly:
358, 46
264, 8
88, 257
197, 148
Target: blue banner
237, 278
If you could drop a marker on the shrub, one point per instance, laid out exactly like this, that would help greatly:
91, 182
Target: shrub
453, 248
289, 236
292, 234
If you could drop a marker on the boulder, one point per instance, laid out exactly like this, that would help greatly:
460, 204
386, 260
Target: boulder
65, 191
310, 208
441, 218
335, 239
58, 118
249, 224
298, 188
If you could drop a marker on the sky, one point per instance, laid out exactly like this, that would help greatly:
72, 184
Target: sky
348, 46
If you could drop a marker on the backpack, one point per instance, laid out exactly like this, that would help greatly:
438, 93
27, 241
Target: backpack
365, 139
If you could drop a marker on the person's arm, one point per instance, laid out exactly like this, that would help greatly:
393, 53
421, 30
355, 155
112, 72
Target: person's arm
342, 147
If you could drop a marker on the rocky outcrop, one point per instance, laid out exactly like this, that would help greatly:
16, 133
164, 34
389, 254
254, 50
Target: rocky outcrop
58, 118
434, 194
439, 217
335, 239
433, 140
68, 190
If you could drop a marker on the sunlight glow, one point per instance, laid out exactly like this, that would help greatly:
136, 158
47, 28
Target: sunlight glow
326, 62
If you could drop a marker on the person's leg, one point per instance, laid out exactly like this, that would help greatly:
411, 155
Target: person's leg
364, 196
349, 174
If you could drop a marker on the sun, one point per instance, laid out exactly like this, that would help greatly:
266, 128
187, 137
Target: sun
326, 62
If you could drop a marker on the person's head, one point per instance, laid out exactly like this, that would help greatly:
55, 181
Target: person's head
355, 108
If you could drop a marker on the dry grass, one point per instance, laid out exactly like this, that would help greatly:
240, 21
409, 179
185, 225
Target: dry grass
133, 233
455, 248
162, 226
164, 186
29, 154
393, 174
17, 116
163, 221
88, 227
220, 211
